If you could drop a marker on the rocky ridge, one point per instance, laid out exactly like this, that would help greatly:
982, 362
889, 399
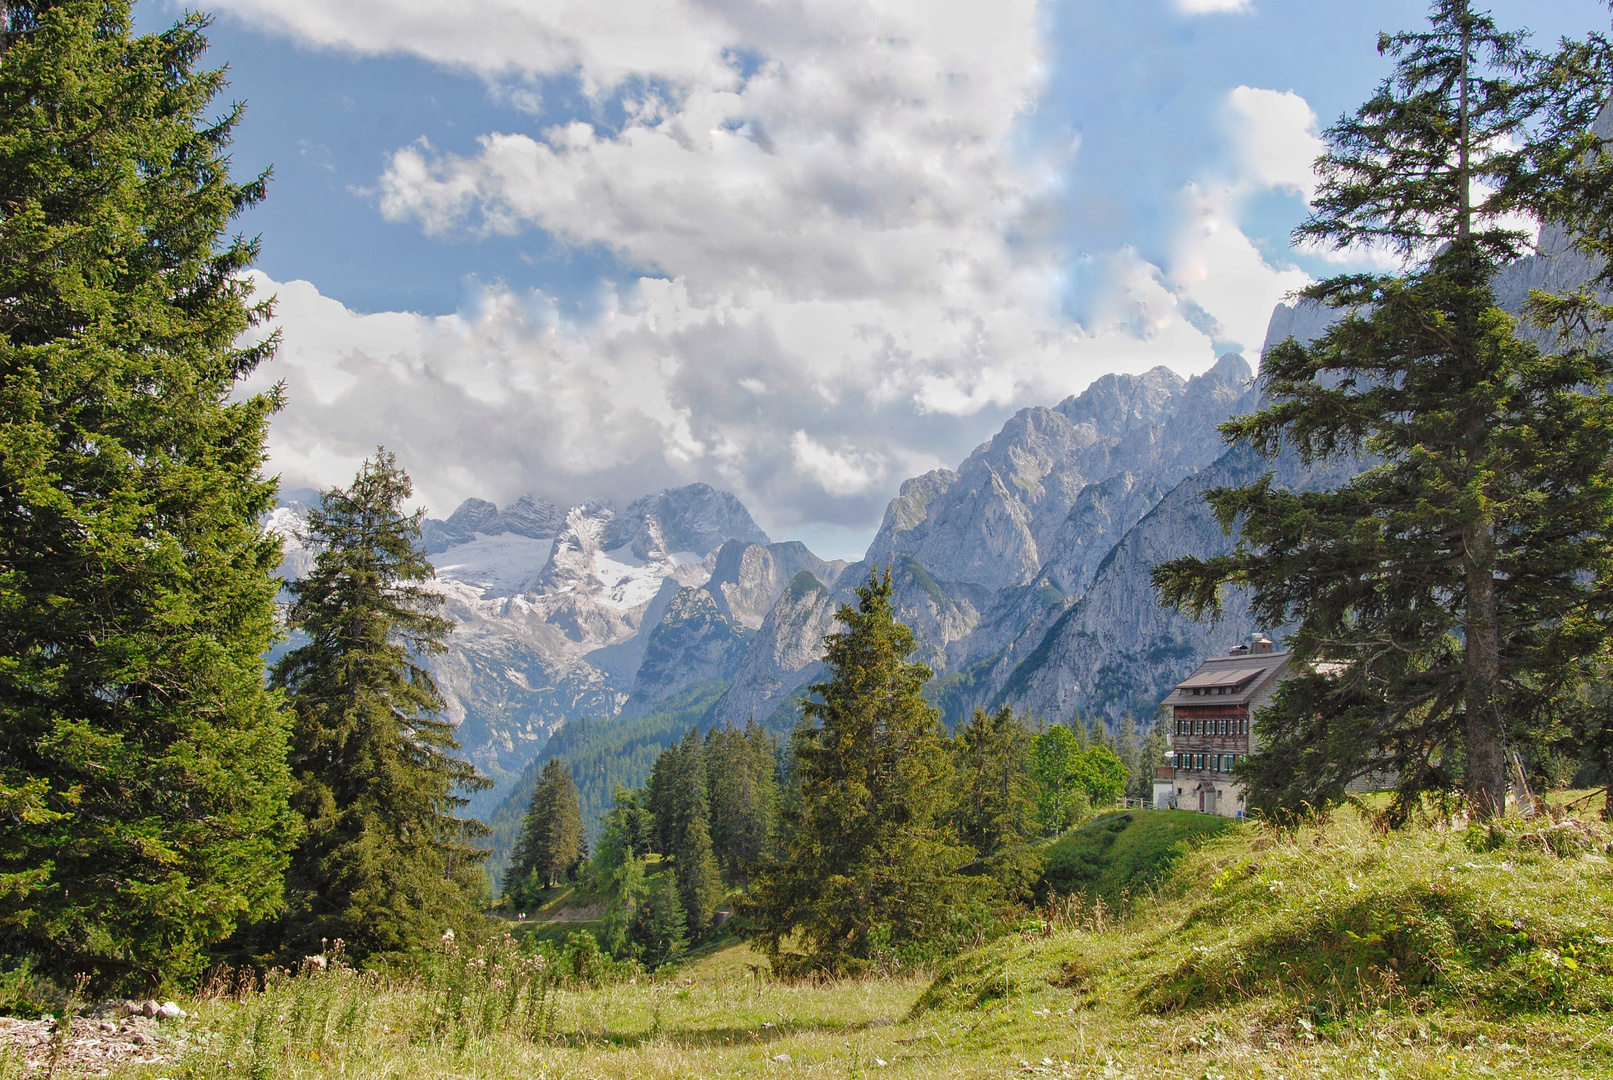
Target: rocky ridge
586, 612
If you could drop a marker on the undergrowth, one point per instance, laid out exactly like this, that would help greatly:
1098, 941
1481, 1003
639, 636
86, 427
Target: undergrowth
1334, 950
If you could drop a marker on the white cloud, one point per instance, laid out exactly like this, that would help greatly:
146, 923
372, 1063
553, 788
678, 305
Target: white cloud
839, 472
832, 302
1210, 7
1277, 139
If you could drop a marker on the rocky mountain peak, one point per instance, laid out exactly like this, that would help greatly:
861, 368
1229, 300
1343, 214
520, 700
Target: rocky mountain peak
1115, 403
696, 518
571, 560
746, 579
532, 517
475, 515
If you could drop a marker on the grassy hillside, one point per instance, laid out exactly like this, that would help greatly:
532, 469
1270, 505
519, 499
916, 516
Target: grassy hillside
1328, 952
1120, 857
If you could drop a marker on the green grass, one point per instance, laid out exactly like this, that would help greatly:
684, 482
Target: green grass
1119, 856
1331, 951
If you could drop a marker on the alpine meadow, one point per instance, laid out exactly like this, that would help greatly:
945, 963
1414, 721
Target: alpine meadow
1246, 711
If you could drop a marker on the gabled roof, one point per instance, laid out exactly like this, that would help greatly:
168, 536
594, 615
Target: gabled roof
1229, 680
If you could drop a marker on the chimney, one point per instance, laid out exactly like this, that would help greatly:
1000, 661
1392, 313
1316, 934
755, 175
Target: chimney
1259, 643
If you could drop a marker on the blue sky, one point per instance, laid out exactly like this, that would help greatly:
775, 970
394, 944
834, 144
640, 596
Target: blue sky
797, 250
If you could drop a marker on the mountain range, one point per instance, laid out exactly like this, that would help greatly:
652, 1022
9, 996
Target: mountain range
599, 634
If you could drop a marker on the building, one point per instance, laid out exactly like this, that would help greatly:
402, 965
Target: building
1208, 723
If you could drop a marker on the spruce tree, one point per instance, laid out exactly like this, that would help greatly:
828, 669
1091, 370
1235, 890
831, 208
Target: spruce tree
1446, 598
741, 768
996, 806
681, 808
142, 760
551, 842
997, 799
386, 864
866, 850
659, 925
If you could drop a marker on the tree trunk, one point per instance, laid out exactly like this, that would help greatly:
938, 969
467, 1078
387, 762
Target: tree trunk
1486, 760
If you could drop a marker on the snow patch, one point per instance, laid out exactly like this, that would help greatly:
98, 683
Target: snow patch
493, 565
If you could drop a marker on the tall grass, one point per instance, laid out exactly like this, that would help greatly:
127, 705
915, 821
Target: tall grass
1330, 951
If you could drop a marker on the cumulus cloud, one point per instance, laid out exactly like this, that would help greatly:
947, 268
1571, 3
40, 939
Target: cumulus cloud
847, 276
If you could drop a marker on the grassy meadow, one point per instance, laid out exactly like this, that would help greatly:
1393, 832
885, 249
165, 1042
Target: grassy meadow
1335, 950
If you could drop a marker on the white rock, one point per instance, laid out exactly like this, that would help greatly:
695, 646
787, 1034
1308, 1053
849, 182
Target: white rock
782, 1059
149, 1008
170, 1010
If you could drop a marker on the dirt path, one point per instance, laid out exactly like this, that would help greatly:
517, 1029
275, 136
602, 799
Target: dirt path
94, 1048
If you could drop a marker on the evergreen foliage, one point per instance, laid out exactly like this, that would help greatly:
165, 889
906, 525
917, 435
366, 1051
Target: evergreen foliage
681, 810
659, 924
605, 755
1452, 595
996, 801
142, 760
996, 797
742, 776
866, 856
551, 844
386, 864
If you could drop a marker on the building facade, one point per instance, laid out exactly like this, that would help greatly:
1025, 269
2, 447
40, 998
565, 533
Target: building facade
1209, 725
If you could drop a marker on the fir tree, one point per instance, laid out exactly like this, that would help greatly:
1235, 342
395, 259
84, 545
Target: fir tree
1150, 755
386, 864
741, 773
865, 850
1128, 747
1447, 597
142, 760
659, 924
997, 800
551, 843
681, 808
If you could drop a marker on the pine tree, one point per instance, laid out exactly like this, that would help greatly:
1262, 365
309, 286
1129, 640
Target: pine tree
681, 808
141, 754
866, 849
551, 843
997, 800
386, 864
659, 924
741, 773
1447, 597
996, 807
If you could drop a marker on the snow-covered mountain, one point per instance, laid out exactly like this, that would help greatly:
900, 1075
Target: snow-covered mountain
565, 614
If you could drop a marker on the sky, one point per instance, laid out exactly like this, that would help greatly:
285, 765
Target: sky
800, 250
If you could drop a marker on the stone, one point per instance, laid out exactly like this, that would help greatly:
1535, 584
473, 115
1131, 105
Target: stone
170, 1010
149, 1008
782, 1059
